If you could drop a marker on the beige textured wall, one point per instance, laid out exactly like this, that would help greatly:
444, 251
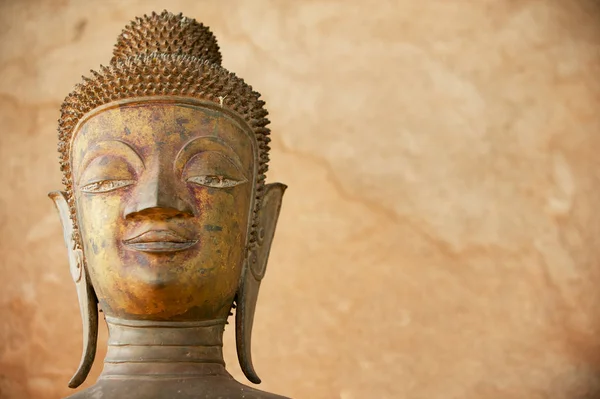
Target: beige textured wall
441, 234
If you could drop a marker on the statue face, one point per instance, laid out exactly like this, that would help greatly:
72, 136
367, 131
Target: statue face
163, 194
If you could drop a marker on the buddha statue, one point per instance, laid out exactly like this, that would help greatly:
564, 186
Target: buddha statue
166, 215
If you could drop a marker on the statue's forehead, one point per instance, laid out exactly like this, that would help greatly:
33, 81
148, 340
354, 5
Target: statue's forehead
168, 127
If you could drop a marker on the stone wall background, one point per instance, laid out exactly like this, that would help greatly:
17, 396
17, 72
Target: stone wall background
440, 237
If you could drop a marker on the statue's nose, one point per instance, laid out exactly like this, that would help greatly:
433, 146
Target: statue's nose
158, 196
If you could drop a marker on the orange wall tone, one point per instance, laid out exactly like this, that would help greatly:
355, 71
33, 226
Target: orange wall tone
440, 237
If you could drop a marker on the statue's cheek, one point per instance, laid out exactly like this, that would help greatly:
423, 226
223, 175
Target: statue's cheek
100, 213
100, 225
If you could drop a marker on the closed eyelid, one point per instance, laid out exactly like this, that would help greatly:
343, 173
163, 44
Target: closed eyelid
112, 147
102, 168
213, 159
213, 169
200, 145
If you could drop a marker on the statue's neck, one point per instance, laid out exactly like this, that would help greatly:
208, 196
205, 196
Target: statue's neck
164, 349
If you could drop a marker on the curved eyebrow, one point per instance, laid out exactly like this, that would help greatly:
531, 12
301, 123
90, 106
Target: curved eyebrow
112, 147
201, 144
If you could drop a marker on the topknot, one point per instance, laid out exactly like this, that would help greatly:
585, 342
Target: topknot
167, 33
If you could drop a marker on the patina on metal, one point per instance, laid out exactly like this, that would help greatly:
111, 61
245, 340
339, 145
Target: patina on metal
166, 215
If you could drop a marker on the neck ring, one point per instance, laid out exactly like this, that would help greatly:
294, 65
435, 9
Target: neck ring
138, 348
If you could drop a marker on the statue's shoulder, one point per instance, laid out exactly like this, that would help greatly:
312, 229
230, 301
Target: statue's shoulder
256, 394
265, 395
85, 394
246, 392
237, 391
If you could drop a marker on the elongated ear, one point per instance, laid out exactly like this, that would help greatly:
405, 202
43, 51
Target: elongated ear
252, 274
88, 303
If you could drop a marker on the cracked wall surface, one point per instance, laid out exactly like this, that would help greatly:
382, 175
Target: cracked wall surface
440, 237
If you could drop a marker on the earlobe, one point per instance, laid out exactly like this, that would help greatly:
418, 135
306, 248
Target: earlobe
88, 303
252, 274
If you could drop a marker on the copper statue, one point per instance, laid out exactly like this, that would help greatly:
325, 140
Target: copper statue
166, 214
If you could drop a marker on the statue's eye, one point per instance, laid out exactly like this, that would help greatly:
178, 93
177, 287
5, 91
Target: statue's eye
213, 169
214, 181
104, 186
106, 173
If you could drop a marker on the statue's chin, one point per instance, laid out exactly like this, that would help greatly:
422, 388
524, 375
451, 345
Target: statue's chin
165, 295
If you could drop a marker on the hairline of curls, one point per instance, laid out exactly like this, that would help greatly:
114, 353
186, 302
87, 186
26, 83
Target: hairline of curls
157, 74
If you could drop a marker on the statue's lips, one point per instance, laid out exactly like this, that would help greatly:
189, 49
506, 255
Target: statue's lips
159, 241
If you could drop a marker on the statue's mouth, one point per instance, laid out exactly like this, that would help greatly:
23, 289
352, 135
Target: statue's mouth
159, 241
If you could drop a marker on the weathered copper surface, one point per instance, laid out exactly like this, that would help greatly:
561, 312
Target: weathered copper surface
167, 218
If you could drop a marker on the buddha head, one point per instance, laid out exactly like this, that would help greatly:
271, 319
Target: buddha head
165, 211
